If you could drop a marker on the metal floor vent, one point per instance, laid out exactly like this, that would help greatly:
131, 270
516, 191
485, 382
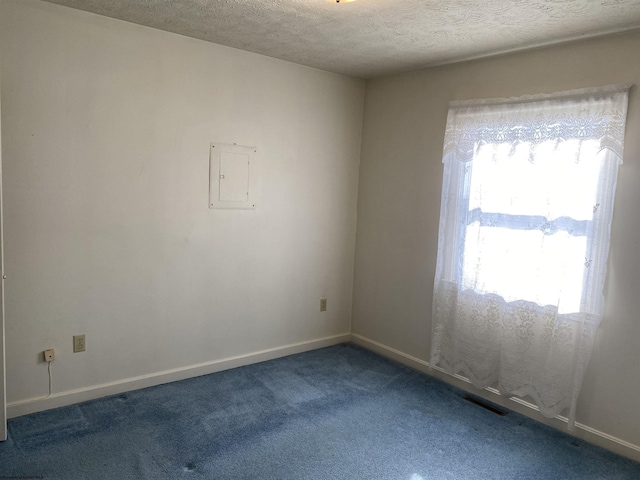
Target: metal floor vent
482, 404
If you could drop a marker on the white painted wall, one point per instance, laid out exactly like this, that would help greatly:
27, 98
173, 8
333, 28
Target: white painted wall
399, 206
106, 129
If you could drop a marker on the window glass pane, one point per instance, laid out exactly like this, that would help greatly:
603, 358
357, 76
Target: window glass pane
525, 265
557, 180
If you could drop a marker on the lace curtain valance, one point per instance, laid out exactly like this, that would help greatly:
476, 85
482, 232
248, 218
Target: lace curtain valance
588, 114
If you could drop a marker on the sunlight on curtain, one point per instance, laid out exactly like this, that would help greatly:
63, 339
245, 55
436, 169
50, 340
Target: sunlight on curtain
525, 218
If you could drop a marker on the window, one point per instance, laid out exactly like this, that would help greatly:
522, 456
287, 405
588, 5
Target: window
529, 232
527, 203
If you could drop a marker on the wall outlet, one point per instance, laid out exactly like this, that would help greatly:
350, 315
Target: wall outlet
79, 344
49, 355
323, 304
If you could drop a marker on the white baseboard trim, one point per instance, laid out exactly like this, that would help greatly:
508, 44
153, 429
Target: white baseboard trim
584, 432
15, 409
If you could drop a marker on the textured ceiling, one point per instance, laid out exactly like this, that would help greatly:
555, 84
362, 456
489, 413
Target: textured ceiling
369, 38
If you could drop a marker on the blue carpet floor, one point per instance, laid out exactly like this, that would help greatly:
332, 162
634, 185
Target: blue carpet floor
336, 413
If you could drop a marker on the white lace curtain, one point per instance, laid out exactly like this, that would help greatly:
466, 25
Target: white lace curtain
525, 218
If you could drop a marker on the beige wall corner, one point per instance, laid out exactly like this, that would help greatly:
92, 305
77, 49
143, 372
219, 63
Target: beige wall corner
399, 207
